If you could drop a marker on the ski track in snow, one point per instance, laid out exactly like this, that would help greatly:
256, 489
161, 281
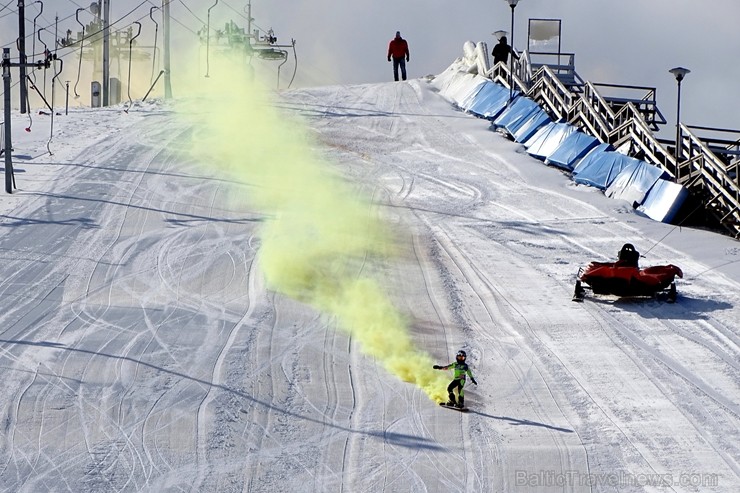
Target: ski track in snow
143, 352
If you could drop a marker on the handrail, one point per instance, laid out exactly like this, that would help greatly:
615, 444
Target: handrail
713, 170
548, 89
646, 103
702, 172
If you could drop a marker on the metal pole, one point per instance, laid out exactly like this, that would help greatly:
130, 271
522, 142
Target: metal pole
678, 130
208, 40
106, 52
66, 101
167, 71
511, 57
153, 84
22, 50
8, 140
679, 73
249, 18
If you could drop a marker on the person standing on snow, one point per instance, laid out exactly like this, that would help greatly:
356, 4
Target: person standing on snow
461, 370
398, 49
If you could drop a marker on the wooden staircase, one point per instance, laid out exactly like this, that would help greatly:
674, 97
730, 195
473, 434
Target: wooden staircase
628, 124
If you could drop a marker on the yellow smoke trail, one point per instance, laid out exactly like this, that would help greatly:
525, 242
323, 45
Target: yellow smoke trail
319, 234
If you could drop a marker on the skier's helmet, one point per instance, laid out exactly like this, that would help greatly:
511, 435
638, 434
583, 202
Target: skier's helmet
461, 355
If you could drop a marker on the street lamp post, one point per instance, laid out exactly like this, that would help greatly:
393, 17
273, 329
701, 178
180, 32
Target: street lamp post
512, 4
679, 73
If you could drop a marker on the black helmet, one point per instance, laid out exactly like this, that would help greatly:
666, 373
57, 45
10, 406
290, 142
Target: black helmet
461, 355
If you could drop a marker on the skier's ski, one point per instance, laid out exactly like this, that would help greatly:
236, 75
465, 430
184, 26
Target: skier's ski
461, 409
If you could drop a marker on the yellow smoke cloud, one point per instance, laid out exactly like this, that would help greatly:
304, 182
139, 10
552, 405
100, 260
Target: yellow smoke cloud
318, 236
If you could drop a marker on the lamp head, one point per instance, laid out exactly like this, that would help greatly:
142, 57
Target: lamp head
512, 3
679, 73
500, 34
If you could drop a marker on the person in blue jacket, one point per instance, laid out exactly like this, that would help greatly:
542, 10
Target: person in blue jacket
462, 370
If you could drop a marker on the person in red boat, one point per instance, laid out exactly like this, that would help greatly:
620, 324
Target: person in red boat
625, 278
628, 256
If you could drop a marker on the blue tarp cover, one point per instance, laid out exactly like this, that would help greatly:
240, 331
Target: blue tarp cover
534, 122
466, 98
664, 200
599, 168
490, 100
516, 114
634, 182
573, 148
547, 139
464, 88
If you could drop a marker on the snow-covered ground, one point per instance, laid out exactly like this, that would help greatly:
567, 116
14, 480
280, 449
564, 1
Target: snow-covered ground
175, 312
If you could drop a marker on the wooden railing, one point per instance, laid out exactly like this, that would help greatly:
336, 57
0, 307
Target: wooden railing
705, 175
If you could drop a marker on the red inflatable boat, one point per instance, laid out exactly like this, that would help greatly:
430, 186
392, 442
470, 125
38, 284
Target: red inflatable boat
625, 279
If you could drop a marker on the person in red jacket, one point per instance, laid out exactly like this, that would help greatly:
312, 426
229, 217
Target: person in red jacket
398, 49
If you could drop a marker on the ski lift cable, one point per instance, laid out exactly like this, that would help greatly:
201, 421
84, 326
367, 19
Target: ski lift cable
75, 4
93, 34
117, 21
173, 18
7, 5
68, 49
193, 13
679, 226
11, 12
49, 24
41, 13
235, 10
192, 31
122, 18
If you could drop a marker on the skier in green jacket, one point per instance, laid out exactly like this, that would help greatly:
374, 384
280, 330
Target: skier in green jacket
458, 381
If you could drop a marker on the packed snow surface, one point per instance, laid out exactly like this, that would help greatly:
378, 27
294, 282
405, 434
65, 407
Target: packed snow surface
142, 349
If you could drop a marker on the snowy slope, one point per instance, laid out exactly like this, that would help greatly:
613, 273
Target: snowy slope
144, 351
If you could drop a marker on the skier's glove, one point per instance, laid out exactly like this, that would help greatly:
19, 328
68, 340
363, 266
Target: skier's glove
437, 367
474, 382
389, 59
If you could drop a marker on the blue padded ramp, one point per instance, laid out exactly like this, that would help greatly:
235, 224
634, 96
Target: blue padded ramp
516, 114
547, 139
663, 201
634, 182
464, 87
466, 98
490, 100
573, 148
599, 168
534, 122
